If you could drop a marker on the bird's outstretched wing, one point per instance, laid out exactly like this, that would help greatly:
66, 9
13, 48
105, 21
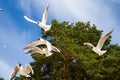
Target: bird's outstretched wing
49, 46
45, 15
30, 20
14, 72
28, 69
37, 50
103, 38
34, 44
89, 44
55, 49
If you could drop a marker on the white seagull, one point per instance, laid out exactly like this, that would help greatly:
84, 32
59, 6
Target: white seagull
41, 41
100, 44
33, 47
42, 24
24, 72
39, 50
36, 43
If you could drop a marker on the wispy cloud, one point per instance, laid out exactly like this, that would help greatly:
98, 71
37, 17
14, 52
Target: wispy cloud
114, 1
5, 70
25, 5
10, 33
98, 12
14, 39
75, 10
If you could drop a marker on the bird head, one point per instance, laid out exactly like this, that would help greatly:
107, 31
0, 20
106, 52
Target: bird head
19, 64
38, 22
84, 44
38, 38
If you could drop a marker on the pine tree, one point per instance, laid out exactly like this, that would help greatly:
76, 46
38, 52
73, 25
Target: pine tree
1, 79
76, 61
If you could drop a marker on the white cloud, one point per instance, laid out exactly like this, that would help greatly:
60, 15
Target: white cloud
15, 39
5, 70
72, 10
11, 36
25, 5
98, 12
114, 1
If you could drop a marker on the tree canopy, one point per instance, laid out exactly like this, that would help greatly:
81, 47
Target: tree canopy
76, 61
1, 78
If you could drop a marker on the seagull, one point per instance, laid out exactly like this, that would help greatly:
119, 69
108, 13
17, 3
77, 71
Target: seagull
42, 24
24, 72
100, 44
40, 50
36, 47
34, 44
41, 41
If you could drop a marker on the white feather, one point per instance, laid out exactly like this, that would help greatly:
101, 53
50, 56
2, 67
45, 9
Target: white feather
97, 49
30, 20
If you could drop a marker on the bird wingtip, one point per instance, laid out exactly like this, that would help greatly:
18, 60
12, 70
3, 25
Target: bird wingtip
84, 43
48, 4
25, 16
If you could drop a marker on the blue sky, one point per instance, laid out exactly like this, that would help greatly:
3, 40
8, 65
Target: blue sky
16, 32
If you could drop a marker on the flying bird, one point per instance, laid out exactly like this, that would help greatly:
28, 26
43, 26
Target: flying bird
36, 43
24, 72
42, 42
42, 24
43, 51
37, 47
97, 49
